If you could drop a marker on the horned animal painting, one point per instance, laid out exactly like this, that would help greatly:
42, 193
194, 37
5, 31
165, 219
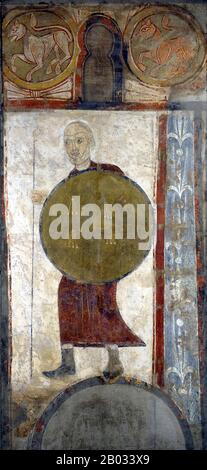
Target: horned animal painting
36, 49
165, 48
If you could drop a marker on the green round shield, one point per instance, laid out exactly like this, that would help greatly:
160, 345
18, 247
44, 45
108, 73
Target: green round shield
95, 227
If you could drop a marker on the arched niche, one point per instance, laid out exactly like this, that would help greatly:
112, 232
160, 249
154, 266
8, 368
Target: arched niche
100, 67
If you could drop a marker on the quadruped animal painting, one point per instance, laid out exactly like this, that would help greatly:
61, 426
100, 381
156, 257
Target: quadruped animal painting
103, 226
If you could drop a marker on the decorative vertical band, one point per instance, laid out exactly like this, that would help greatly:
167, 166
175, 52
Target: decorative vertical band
158, 367
181, 309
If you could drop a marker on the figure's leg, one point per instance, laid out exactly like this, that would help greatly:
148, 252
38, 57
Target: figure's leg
67, 366
114, 368
66, 315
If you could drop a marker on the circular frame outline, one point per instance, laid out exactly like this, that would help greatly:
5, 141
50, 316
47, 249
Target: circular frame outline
156, 9
61, 77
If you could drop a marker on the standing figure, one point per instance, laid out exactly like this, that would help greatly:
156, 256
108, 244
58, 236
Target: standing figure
88, 313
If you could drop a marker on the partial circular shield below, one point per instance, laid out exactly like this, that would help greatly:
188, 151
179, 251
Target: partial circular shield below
91, 415
102, 259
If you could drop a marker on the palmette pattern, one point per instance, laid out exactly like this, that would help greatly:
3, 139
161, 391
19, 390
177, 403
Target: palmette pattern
181, 312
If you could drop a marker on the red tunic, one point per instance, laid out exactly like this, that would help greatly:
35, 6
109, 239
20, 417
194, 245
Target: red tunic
88, 313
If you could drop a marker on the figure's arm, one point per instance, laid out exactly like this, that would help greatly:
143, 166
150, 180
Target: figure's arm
38, 196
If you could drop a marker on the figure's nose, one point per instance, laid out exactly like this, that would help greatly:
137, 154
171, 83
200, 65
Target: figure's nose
74, 146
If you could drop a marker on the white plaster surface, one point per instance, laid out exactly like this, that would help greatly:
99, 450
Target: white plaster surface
36, 159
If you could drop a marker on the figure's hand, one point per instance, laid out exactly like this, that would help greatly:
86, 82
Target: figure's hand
38, 196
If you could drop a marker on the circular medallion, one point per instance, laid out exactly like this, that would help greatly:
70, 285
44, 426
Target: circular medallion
95, 226
91, 415
39, 48
165, 45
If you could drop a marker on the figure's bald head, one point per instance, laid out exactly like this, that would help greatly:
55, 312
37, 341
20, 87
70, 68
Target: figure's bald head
78, 139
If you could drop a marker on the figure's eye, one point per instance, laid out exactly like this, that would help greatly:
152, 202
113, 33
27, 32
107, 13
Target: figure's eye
79, 141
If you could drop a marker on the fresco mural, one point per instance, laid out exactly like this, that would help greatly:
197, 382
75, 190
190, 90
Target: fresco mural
166, 45
106, 102
39, 53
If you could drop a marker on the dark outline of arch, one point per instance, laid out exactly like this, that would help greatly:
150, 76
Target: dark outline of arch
115, 57
110, 58
36, 436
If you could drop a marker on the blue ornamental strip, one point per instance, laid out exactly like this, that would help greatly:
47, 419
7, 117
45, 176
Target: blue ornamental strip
181, 312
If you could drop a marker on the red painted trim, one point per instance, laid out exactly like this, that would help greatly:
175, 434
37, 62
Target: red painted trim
35, 103
158, 339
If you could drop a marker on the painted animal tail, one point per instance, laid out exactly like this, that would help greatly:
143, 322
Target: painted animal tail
33, 25
166, 24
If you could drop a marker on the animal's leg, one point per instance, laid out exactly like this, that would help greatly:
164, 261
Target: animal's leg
67, 57
62, 42
178, 70
143, 55
183, 51
18, 56
50, 66
54, 62
163, 53
57, 68
38, 66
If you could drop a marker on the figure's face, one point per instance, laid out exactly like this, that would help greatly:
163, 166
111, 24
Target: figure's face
77, 143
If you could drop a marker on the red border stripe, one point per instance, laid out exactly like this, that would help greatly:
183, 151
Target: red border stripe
158, 340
